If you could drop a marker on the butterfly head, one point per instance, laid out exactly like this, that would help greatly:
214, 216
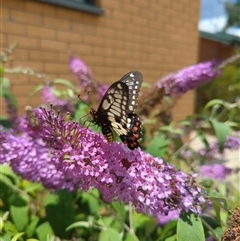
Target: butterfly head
93, 115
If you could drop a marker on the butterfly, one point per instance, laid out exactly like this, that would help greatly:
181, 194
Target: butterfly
117, 110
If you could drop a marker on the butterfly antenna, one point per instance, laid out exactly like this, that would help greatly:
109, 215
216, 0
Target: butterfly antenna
79, 97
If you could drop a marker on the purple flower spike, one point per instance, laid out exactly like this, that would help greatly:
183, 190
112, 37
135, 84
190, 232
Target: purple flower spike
215, 171
64, 155
82, 73
232, 143
189, 78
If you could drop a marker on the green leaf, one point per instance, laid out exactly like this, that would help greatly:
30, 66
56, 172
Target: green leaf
158, 146
109, 235
213, 102
78, 224
203, 138
32, 239
221, 130
189, 228
91, 198
7, 171
19, 216
169, 230
36, 89
44, 231
10, 228
64, 82
1, 224
220, 201
60, 212
172, 238
31, 228
17, 236
120, 208
129, 237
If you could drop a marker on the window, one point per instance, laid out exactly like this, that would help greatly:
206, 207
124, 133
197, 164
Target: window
82, 5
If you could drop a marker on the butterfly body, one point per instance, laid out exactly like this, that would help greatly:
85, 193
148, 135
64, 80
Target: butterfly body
117, 110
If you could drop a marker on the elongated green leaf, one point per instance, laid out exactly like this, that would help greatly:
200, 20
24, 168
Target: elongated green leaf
1, 224
221, 130
19, 216
203, 138
189, 228
78, 224
213, 102
17, 236
64, 82
36, 89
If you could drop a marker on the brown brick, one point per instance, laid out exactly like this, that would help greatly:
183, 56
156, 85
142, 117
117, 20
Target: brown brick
41, 32
21, 90
14, 4
36, 66
49, 45
56, 69
117, 14
94, 60
101, 51
92, 40
20, 79
80, 28
64, 57
43, 56
5, 14
70, 14
36, 7
24, 17
55, 23
21, 54
69, 37
114, 24
80, 49
24, 42
13, 28
112, 4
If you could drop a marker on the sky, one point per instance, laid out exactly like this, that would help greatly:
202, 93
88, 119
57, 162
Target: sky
213, 17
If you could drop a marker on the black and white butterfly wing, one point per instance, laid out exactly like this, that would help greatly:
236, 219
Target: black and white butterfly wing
117, 108
133, 80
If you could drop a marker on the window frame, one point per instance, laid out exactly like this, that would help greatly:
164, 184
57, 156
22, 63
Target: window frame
93, 9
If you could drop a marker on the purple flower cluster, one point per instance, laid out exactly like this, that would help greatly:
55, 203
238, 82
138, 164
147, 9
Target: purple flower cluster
62, 154
215, 171
62, 105
232, 143
83, 74
86, 79
189, 78
172, 215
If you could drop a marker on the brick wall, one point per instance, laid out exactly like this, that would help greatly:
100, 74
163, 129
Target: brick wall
155, 37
